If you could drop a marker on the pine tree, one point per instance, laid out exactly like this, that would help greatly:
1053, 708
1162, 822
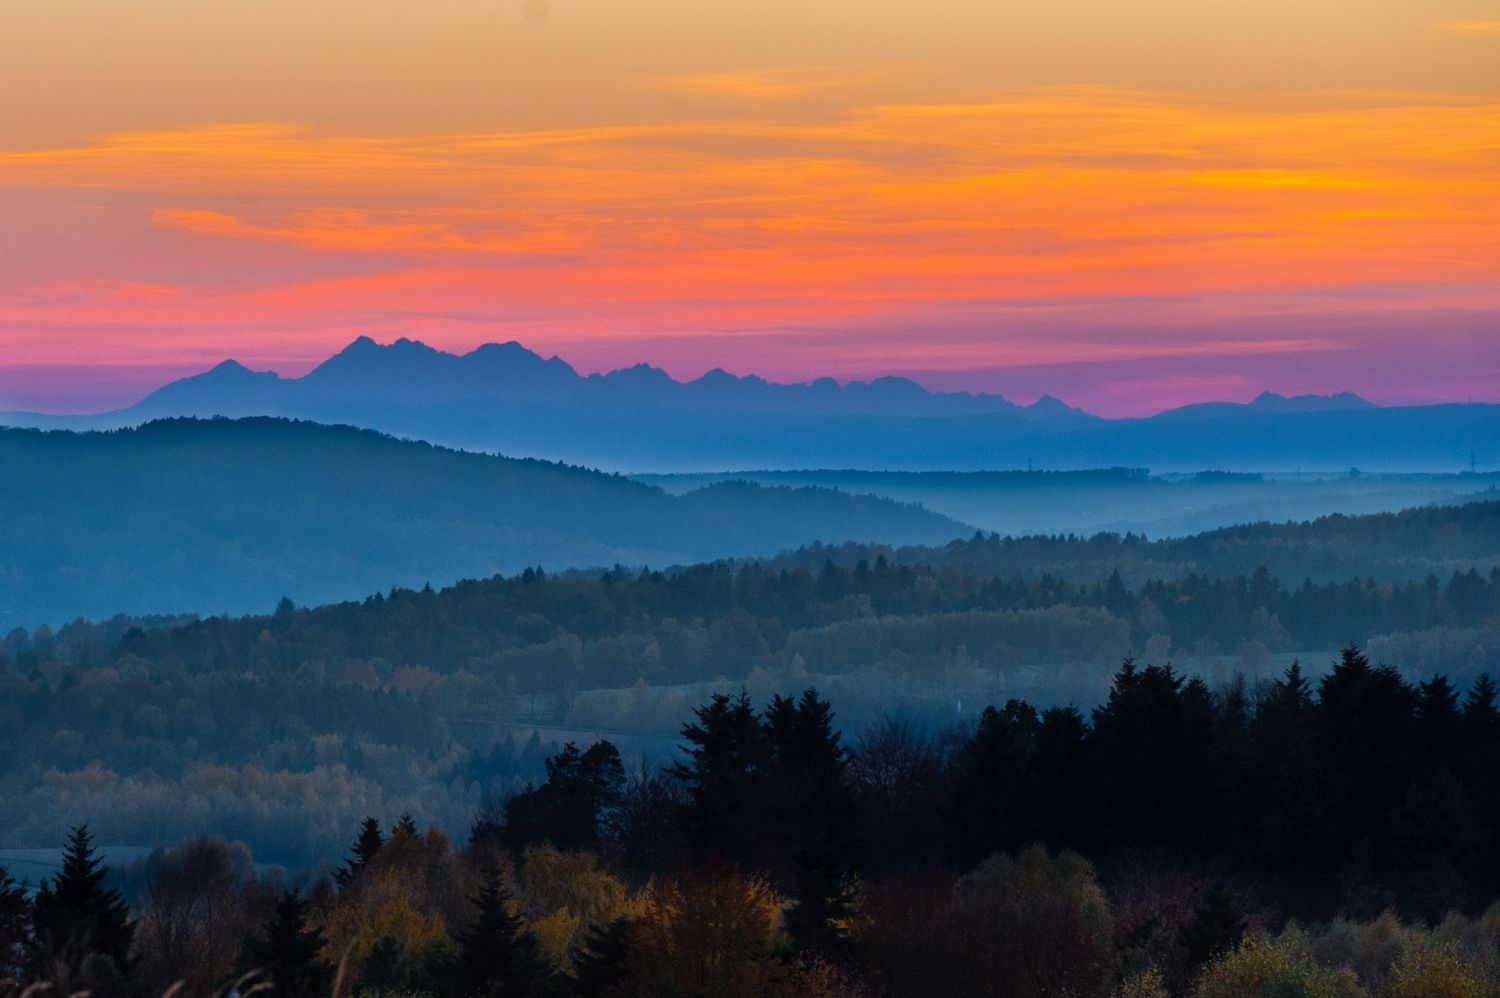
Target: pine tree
1481, 717
81, 925
406, 826
1480, 760
567, 810
290, 955
1438, 723
814, 801
601, 959
365, 848
724, 778
992, 781
16, 924
497, 954
383, 969
822, 901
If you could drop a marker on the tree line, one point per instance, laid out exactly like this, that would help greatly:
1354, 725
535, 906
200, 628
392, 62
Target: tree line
610, 628
1329, 837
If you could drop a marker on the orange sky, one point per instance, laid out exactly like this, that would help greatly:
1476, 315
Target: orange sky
1124, 203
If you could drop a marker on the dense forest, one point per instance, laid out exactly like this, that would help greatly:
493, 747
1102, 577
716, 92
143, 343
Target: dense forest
282, 728
633, 782
1310, 838
1385, 547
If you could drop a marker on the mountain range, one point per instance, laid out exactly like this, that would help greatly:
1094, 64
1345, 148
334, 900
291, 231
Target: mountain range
504, 398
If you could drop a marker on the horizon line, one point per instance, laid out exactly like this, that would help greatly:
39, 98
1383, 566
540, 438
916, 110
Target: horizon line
914, 377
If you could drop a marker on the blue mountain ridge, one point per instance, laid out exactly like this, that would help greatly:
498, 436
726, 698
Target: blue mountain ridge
505, 398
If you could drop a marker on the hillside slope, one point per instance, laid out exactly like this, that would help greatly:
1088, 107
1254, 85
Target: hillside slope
229, 515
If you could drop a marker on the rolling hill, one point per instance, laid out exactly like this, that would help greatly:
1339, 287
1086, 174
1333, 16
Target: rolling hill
214, 516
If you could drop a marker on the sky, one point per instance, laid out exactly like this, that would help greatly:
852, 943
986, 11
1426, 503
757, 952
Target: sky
1129, 204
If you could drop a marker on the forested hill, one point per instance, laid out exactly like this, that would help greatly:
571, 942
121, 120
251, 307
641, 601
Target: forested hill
990, 599
285, 728
217, 516
1385, 547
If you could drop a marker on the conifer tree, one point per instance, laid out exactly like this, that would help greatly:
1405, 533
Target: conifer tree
290, 958
1481, 717
600, 961
815, 802
365, 849
822, 901
497, 955
1438, 722
16, 924
724, 778
992, 787
568, 809
82, 926
382, 970
1480, 761
406, 826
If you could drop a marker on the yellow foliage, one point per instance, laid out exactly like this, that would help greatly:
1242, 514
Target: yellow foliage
1148, 983
1489, 924
1036, 876
711, 936
1263, 967
816, 977
383, 908
556, 933
553, 880
564, 895
1429, 971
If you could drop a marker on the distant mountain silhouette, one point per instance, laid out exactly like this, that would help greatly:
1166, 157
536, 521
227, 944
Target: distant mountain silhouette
1270, 402
502, 397
411, 373
224, 515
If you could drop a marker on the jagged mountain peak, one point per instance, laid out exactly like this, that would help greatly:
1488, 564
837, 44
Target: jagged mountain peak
1275, 402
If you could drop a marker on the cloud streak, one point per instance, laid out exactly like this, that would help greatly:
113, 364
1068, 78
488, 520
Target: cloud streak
1470, 27
922, 232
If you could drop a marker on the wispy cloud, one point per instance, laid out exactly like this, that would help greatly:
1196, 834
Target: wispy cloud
1470, 27
871, 217
776, 82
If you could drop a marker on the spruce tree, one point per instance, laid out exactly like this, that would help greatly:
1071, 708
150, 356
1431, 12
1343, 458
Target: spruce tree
1438, 722
365, 848
822, 901
817, 813
290, 958
724, 777
497, 955
384, 968
1480, 761
1481, 717
16, 924
81, 926
567, 810
600, 961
